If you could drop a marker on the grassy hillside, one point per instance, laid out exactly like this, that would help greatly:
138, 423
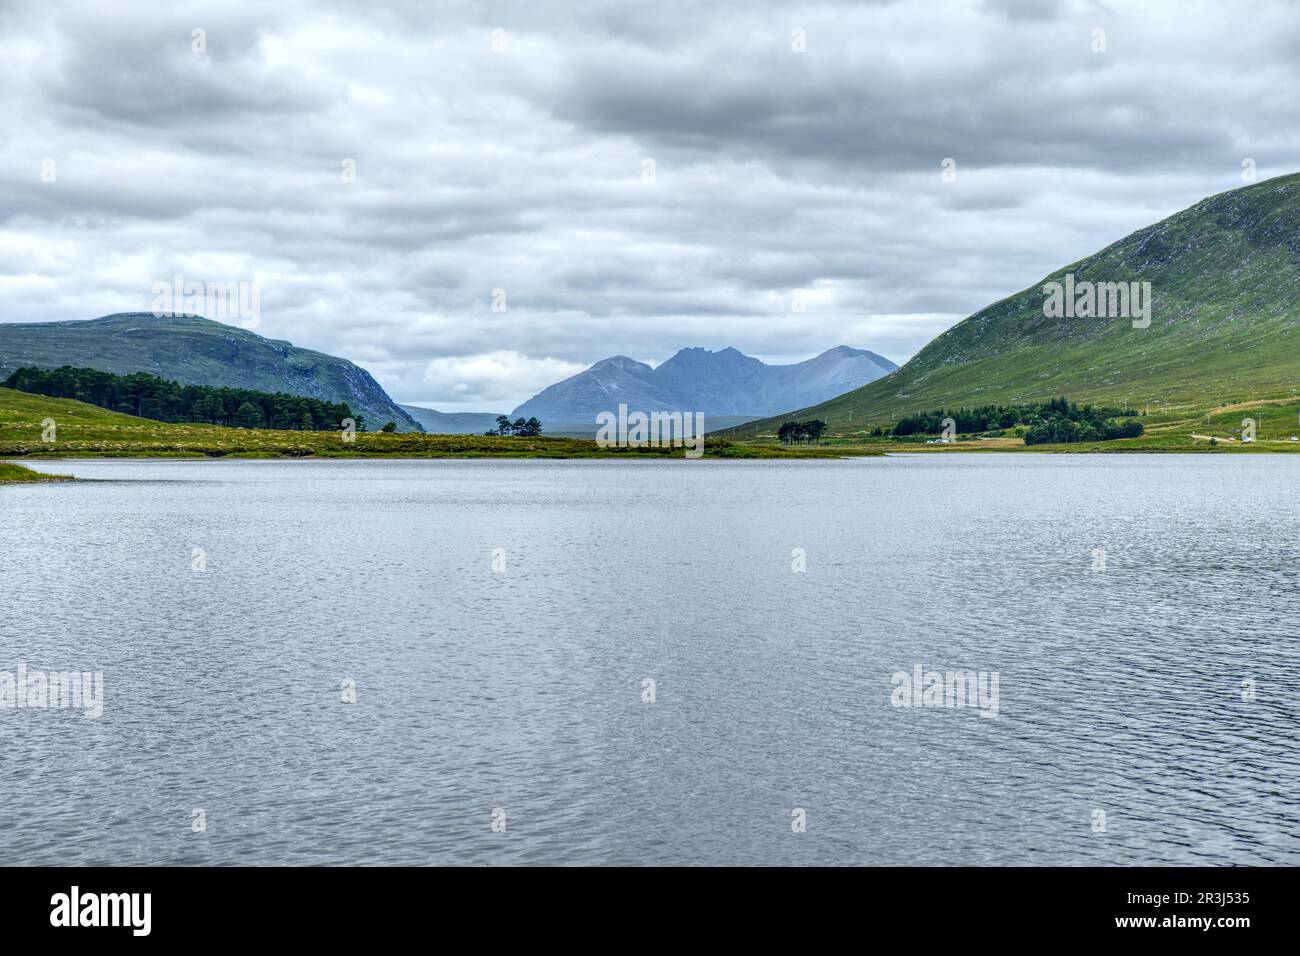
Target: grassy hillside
196, 351
1225, 327
88, 431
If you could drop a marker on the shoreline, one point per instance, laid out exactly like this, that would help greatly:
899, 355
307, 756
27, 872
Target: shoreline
12, 473
734, 453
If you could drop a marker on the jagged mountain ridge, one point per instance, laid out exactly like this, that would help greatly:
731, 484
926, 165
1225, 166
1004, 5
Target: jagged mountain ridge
725, 382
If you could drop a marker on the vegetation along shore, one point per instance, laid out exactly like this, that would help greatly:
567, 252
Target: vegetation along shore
36, 426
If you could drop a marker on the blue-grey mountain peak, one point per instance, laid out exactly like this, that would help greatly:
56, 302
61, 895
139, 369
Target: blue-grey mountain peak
725, 382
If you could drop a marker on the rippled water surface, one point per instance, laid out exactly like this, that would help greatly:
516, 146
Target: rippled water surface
1120, 691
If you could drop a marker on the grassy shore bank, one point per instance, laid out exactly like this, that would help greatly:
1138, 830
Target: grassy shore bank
87, 431
11, 474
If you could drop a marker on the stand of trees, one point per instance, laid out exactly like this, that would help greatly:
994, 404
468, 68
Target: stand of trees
532, 428
1064, 431
809, 432
1059, 421
148, 396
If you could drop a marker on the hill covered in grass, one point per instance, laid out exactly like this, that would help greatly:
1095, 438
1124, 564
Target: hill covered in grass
148, 396
1224, 327
196, 351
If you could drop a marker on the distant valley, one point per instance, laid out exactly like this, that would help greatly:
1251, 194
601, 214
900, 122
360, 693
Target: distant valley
729, 387
451, 423
1211, 362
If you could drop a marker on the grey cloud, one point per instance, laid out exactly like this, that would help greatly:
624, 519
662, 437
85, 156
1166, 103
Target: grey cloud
776, 171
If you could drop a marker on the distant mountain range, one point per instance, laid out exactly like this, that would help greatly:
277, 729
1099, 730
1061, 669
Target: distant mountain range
198, 351
727, 386
452, 423
1223, 326
725, 383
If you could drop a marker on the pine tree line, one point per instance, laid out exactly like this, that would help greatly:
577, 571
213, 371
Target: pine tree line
148, 396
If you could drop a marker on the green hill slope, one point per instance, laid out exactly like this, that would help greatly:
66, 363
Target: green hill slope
1225, 326
197, 351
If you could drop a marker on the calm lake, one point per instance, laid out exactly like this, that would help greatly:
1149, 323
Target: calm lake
496, 626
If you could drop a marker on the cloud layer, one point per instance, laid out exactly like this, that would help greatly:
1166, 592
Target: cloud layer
476, 199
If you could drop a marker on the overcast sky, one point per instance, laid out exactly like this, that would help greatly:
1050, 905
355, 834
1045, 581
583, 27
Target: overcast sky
636, 177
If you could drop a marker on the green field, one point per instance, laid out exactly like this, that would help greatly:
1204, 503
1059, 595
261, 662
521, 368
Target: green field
86, 431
